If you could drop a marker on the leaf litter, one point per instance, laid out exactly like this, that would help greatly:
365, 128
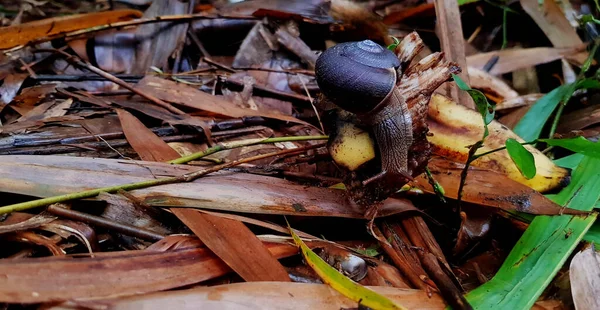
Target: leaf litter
155, 147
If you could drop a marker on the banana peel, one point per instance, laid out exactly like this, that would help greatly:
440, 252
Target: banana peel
350, 146
453, 128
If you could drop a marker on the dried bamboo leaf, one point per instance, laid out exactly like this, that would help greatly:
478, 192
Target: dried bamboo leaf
111, 274
261, 295
44, 176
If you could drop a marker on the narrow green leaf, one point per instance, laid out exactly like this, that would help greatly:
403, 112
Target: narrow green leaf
521, 157
483, 106
531, 124
544, 247
340, 282
579, 145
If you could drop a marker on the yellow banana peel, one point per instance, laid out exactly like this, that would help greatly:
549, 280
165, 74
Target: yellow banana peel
454, 128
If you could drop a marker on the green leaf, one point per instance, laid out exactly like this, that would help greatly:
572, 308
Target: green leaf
531, 124
522, 158
579, 145
463, 2
544, 247
340, 282
571, 161
393, 46
483, 106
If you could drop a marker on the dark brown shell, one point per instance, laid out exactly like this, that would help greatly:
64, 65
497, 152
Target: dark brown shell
356, 76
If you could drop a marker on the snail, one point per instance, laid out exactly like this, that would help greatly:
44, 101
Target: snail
362, 78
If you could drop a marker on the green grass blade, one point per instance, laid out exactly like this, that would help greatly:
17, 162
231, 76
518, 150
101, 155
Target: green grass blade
544, 247
578, 145
532, 123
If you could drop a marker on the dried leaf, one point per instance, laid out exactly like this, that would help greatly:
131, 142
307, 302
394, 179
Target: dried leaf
132, 272
37, 176
550, 18
21, 34
265, 295
190, 97
489, 188
585, 279
513, 59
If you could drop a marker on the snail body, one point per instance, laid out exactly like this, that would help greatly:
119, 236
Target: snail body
361, 78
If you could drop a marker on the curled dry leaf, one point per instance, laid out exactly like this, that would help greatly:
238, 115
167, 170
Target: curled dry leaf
17, 221
455, 128
492, 86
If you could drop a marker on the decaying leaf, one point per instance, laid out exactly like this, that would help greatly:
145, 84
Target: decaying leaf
24, 33
264, 295
585, 279
111, 274
36, 176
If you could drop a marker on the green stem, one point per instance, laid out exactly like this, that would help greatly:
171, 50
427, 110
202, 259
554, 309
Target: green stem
84, 194
500, 149
584, 68
143, 184
231, 145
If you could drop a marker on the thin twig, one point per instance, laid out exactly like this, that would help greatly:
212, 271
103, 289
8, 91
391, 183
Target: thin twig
312, 103
126, 229
235, 144
76, 61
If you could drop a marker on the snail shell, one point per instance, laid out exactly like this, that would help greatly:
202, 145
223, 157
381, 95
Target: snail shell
357, 76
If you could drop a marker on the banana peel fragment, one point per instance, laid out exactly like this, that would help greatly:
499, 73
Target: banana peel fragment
453, 129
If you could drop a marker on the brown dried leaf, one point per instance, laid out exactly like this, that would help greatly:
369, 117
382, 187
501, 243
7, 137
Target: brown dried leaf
10, 87
35, 239
22, 221
155, 43
111, 274
21, 34
579, 119
223, 236
190, 97
37, 176
492, 86
489, 188
268, 295
557, 28
519, 58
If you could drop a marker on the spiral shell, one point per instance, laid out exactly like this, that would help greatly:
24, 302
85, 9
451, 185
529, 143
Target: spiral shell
357, 76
